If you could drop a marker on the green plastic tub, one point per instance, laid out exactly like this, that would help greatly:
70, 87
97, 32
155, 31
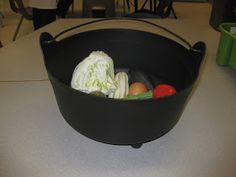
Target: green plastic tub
226, 55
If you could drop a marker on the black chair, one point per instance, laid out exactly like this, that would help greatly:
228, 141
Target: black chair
63, 6
18, 7
162, 9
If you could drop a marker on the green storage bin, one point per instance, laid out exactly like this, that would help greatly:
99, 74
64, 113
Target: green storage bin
226, 54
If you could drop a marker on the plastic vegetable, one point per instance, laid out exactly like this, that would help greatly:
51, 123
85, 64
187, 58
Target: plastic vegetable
95, 73
137, 75
122, 81
159, 91
137, 88
163, 90
143, 96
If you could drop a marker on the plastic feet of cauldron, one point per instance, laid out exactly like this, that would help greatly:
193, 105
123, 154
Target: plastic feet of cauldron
136, 146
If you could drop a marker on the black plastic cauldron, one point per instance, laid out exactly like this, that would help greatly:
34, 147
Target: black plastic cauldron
113, 121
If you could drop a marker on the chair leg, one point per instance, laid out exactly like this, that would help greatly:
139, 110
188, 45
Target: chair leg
72, 7
1, 19
18, 28
145, 2
173, 11
124, 8
128, 5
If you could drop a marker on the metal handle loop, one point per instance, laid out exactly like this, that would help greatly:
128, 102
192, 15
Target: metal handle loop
123, 18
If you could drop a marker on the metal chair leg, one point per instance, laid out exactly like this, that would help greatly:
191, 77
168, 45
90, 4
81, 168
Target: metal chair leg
124, 8
1, 19
72, 7
18, 28
128, 5
173, 11
1, 14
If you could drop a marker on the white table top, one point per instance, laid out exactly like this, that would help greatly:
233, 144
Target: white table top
35, 141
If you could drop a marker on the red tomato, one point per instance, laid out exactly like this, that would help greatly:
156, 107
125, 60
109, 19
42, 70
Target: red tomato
137, 88
163, 90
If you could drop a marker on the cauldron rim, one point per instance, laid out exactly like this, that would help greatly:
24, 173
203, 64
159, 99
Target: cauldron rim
124, 30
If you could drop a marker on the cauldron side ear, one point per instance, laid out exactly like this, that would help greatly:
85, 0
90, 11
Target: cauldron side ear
197, 55
48, 46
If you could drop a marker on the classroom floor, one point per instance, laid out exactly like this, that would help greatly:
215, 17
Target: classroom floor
192, 11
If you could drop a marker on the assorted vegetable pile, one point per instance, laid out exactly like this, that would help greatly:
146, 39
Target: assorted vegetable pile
96, 75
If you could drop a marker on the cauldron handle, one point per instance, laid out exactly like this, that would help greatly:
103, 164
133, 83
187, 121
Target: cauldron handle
120, 18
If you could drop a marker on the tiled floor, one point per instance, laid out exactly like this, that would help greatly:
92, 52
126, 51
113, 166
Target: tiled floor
10, 20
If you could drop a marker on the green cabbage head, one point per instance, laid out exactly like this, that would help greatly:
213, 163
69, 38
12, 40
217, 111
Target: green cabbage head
95, 73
